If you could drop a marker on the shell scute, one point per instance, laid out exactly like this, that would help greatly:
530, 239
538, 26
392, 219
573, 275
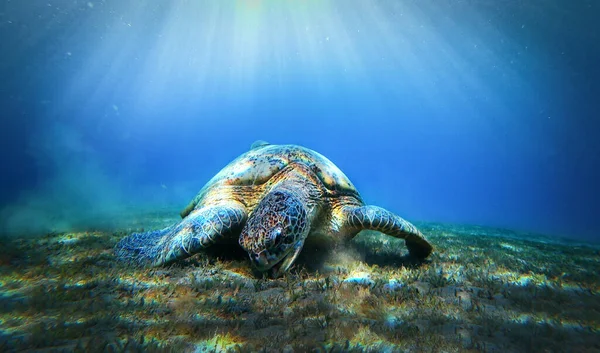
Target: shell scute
254, 170
260, 164
330, 175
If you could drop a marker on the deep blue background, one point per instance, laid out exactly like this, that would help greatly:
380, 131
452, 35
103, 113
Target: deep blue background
481, 112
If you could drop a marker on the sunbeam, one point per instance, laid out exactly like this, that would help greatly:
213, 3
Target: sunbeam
460, 87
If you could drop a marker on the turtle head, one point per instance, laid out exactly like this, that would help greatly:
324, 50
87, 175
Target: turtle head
274, 233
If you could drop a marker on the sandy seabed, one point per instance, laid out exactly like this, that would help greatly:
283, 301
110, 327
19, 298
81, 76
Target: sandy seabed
483, 289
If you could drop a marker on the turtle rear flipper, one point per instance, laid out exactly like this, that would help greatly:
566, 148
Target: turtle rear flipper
384, 221
200, 229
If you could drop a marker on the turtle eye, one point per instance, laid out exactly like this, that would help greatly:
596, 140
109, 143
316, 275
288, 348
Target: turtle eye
276, 236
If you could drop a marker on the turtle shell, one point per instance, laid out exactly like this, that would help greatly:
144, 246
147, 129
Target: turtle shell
263, 161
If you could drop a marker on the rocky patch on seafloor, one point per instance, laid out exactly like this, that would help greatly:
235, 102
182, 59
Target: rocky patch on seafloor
479, 291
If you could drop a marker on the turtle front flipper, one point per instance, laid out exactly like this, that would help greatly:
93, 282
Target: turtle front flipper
200, 229
384, 221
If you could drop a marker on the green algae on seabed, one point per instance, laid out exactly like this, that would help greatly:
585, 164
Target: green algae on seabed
482, 290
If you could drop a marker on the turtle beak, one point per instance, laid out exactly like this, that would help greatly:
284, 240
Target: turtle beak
276, 265
282, 267
264, 260
259, 260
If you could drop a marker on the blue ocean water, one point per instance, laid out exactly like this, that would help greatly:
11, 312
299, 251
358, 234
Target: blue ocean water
476, 112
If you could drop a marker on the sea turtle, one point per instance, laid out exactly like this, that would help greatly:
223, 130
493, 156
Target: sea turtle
271, 199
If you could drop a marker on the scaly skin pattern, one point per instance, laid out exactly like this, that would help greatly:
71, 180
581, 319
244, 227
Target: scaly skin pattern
382, 220
201, 229
278, 213
271, 199
274, 235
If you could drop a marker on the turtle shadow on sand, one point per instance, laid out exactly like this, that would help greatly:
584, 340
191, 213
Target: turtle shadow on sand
320, 257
